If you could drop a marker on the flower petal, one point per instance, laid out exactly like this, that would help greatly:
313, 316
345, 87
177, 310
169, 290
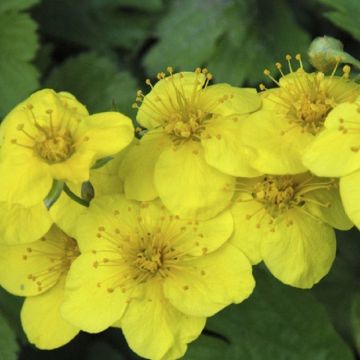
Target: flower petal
42, 322
102, 213
153, 327
139, 165
350, 195
333, 211
199, 237
278, 148
104, 133
25, 266
299, 254
65, 212
188, 186
205, 285
250, 226
331, 153
26, 183
227, 100
20, 225
223, 148
88, 303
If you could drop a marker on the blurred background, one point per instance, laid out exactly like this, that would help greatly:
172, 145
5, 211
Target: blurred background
102, 51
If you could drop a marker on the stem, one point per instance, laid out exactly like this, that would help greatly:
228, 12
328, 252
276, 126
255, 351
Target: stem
76, 198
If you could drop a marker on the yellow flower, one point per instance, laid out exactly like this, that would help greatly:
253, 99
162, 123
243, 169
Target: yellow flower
38, 272
153, 274
287, 221
51, 136
103, 181
336, 152
192, 146
293, 115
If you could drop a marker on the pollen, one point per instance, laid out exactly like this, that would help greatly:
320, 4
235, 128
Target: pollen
278, 194
178, 104
58, 252
307, 98
51, 143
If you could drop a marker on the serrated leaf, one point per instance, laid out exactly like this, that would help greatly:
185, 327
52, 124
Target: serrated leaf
254, 41
15, 5
345, 14
93, 24
8, 344
96, 81
276, 322
187, 35
18, 45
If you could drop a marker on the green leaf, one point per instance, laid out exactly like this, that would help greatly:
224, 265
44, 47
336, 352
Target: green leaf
10, 307
276, 322
6, 5
355, 320
187, 35
345, 14
18, 45
8, 344
254, 41
94, 24
136, 4
338, 289
96, 81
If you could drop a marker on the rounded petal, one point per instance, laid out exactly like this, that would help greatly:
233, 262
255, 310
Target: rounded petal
300, 251
329, 208
153, 327
104, 133
19, 225
188, 186
101, 213
88, 303
227, 100
250, 226
350, 195
42, 322
223, 148
25, 265
199, 237
205, 285
332, 153
277, 145
65, 212
139, 165
26, 183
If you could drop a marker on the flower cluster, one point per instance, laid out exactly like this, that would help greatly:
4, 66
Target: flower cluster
154, 233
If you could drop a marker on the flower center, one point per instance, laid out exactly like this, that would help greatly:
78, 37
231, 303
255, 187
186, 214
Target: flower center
275, 192
58, 252
312, 113
276, 195
307, 98
177, 104
149, 260
51, 143
55, 148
